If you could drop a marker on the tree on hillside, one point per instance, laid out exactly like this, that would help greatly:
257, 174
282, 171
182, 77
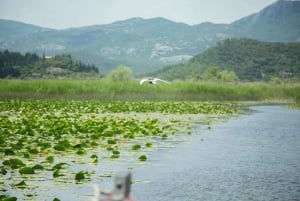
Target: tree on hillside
121, 73
17, 65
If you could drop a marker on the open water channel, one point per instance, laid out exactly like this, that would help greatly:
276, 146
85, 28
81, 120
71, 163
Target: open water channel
252, 157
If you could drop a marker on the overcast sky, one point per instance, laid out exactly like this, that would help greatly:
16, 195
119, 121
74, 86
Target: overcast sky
62, 14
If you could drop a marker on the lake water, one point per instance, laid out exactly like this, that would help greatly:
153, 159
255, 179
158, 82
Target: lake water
252, 157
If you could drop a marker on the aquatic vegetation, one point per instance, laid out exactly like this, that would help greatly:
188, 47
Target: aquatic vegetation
6, 198
21, 184
79, 176
131, 90
47, 137
143, 157
136, 147
26, 170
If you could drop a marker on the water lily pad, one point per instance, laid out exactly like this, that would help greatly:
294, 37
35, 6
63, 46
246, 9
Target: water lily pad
26, 170
79, 176
9, 199
148, 144
21, 184
80, 151
115, 156
9, 152
136, 147
164, 136
78, 146
111, 141
143, 158
14, 163
59, 147
94, 156
109, 148
50, 159
116, 152
56, 173
38, 167
26, 155
33, 151
3, 171
59, 166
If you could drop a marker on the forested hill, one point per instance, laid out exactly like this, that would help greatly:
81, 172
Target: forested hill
249, 59
147, 45
30, 65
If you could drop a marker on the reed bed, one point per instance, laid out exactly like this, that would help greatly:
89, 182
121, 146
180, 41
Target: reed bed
132, 90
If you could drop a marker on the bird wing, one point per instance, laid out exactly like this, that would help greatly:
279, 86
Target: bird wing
143, 80
160, 80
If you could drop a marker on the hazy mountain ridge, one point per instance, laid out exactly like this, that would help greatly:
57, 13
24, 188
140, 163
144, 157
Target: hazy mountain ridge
278, 22
149, 44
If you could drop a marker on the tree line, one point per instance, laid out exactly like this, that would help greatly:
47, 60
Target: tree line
17, 65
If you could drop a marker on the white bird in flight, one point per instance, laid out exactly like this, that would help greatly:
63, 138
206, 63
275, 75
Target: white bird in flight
153, 80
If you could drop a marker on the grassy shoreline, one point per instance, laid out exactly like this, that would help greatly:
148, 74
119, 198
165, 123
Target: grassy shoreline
132, 90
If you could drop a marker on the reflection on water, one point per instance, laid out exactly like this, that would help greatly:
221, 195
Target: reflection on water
254, 157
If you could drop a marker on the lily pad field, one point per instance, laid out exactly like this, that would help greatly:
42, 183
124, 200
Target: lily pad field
49, 143
62, 136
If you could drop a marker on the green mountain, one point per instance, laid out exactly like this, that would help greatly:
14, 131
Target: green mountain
147, 45
249, 59
278, 22
11, 30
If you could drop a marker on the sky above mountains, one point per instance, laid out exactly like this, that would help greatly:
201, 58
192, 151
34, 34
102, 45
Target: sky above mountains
61, 14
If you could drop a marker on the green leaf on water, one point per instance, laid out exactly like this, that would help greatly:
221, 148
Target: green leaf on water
21, 184
164, 136
9, 152
9, 199
26, 155
149, 144
14, 163
78, 146
56, 199
136, 147
56, 173
94, 156
59, 147
116, 152
109, 148
59, 166
111, 141
3, 171
115, 156
143, 158
50, 159
38, 167
79, 176
26, 170
33, 151
80, 151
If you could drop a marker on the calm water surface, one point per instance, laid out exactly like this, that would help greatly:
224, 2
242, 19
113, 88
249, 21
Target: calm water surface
252, 157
